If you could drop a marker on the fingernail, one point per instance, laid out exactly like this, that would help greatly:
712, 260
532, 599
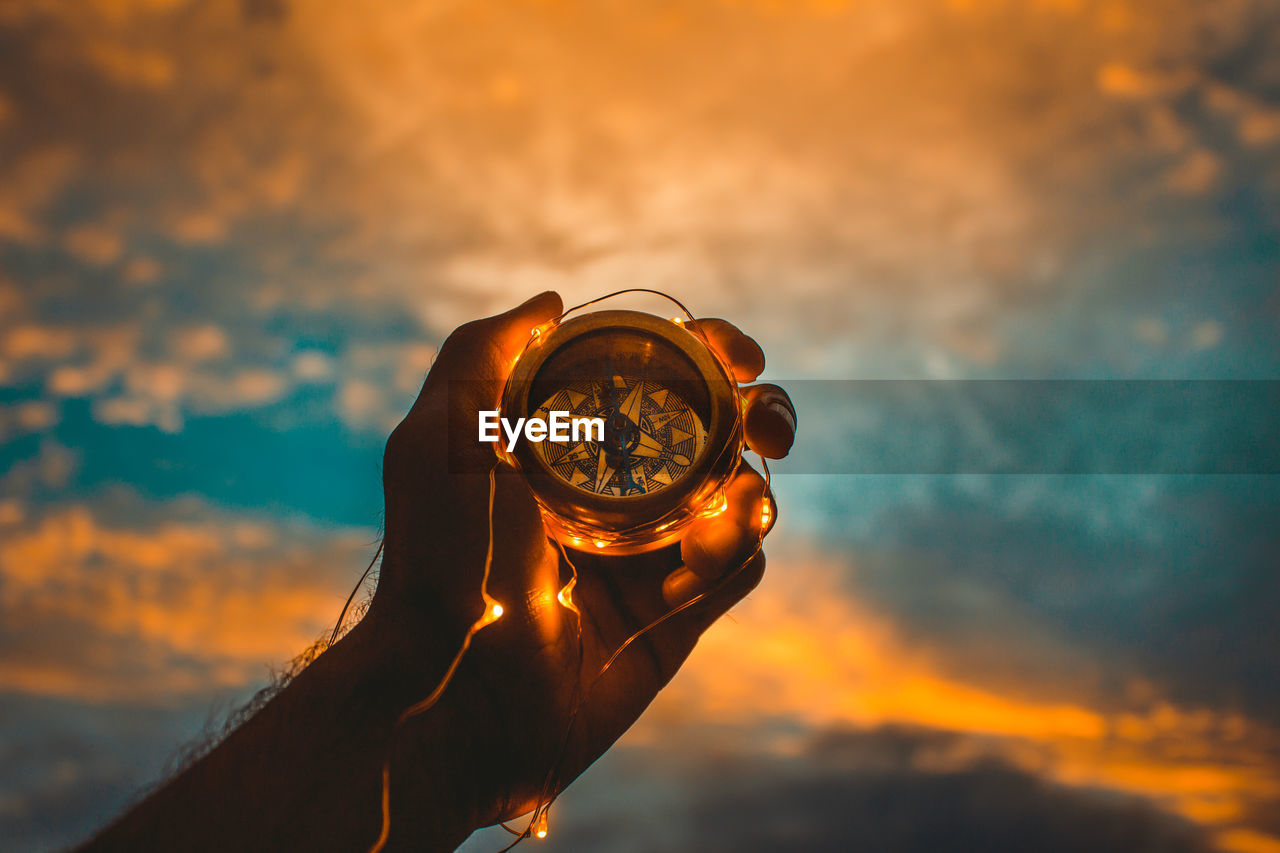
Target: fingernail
780, 408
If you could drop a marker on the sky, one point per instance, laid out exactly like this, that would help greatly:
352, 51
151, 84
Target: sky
1003, 611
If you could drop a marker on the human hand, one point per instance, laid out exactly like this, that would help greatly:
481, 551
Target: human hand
509, 706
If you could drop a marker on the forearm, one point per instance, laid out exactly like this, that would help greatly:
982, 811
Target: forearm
306, 771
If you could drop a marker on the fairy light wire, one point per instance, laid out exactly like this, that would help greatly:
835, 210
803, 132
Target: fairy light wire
545, 800
492, 612
666, 296
548, 793
342, 616
551, 781
731, 447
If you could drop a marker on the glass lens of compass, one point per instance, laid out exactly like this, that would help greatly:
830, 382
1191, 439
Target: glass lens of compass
654, 405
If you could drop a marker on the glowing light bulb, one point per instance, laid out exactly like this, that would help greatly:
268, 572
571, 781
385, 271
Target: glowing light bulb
677, 321
492, 613
600, 543
766, 513
717, 508
540, 825
565, 596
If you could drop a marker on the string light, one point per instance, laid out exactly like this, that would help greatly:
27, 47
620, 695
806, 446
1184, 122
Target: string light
494, 611
537, 825
716, 507
565, 595
642, 537
548, 794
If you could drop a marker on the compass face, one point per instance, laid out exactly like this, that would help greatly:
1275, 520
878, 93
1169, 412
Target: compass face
652, 436
672, 432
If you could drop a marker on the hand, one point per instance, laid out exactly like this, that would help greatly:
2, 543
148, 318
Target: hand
508, 707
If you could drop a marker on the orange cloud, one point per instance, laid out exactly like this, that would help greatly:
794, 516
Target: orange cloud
131, 66
95, 244
101, 612
801, 649
31, 182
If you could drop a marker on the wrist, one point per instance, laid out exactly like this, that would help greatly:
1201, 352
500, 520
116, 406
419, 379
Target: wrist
433, 784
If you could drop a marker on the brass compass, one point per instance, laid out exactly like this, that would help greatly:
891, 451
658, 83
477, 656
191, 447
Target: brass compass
667, 438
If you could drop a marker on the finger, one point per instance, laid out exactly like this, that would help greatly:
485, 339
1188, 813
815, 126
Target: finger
714, 545
484, 351
468, 376
740, 352
682, 585
724, 549
770, 420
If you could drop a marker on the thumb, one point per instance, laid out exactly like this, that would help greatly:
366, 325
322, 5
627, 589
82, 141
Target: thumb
471, 370
484, 351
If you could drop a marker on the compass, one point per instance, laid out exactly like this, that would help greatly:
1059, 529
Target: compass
667, 428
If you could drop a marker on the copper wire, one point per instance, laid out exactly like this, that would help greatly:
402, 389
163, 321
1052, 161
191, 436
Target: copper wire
666, 296
552, 781
337, 627
548, 793
433, 697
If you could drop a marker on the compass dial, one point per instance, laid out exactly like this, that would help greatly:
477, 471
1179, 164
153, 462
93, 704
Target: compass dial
672, 432
651, 436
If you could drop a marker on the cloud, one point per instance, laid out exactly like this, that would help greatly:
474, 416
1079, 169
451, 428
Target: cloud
1196, 174
128, 66
889, 789
1121, 80
1206, 334
1257, 122
11, 512
141, 270
890, 151
27, 417
906, 188
32, 341
192, 602
49, 470
60, 778
118, 364
32, 181
1118, 567
94, 244
801, 655
199, 343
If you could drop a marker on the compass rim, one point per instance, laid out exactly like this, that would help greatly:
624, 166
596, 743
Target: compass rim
611, 515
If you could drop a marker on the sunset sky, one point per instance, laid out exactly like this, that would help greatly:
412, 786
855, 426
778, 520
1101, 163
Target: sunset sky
233, 234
